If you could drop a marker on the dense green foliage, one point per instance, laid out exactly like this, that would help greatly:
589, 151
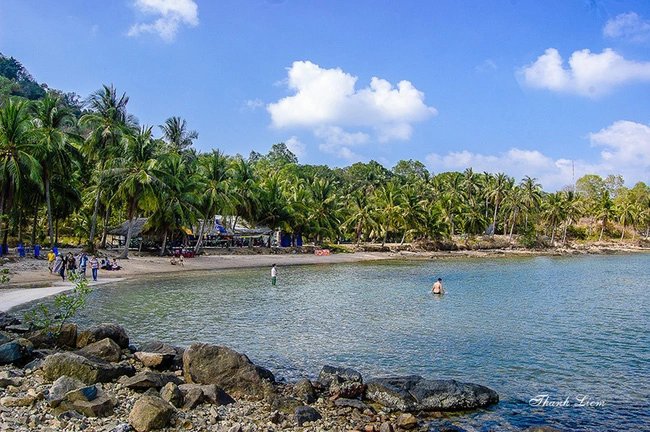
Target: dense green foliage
73, 170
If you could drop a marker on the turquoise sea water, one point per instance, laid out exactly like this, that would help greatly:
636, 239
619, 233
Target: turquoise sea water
565, 341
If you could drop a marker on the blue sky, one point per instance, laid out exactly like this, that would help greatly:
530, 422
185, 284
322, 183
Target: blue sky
553, 89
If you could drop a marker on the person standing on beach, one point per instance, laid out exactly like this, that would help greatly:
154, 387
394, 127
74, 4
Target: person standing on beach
437, 287
50, 260
83, 262
64, 265
274, 274
94, 266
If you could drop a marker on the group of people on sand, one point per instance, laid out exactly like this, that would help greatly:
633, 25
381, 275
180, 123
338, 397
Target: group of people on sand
173, 260
71, 264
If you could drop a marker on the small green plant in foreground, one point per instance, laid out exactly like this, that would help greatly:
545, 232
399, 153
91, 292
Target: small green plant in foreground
65, 306
5, 276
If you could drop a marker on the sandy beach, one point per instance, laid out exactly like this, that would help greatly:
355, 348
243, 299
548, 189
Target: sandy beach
31, 280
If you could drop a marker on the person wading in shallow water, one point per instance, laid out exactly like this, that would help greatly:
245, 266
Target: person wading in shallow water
274, 274
437, 287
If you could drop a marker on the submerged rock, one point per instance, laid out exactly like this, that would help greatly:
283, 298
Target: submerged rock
414, 393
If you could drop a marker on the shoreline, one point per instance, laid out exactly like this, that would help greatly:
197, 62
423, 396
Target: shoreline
30, 279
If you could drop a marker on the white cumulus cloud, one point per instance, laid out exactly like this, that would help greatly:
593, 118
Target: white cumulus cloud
588, 74
626, 152
337, 142
628, 26
296, 147
626, 149
170, 15
328, 100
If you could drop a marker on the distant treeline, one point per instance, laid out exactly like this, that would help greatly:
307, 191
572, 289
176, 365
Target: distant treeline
73, 168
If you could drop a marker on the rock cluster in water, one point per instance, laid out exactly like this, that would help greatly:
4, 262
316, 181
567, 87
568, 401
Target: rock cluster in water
95, 381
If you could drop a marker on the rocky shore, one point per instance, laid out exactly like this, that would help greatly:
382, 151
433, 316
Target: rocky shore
95, 380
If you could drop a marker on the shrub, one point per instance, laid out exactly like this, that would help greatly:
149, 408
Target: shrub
65, 306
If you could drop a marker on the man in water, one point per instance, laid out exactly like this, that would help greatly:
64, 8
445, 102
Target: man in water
274, 274
437, 287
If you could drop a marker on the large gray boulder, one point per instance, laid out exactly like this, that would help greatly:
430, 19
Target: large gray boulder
105, 349
212, 393
102, 331
16, 351
415, 393
342, 382
61, 387
84, 369
148, 379
66, 337
228, 369
149, 413
159, 355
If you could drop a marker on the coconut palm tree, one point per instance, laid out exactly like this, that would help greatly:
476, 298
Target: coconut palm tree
271, 209
139, 177
554, 211
531, 197
53, 145
176, 203
626, 210
215, 198
387, 200
497, 191
245, 190
176, 135
17, 163
605, 211
360, 216
110, 123
323, 211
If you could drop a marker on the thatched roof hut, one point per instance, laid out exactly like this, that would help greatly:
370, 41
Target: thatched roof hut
123, 229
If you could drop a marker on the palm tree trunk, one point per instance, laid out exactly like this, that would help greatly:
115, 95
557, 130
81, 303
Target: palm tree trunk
494, 218
512, 227
35, 222
129, 231
553, 236
48, 203
200, 239
164, 244
623, 233
107, 216
93, 225
566, 227
602, 230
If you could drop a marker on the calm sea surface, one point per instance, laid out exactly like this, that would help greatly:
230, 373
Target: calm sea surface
565, 341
